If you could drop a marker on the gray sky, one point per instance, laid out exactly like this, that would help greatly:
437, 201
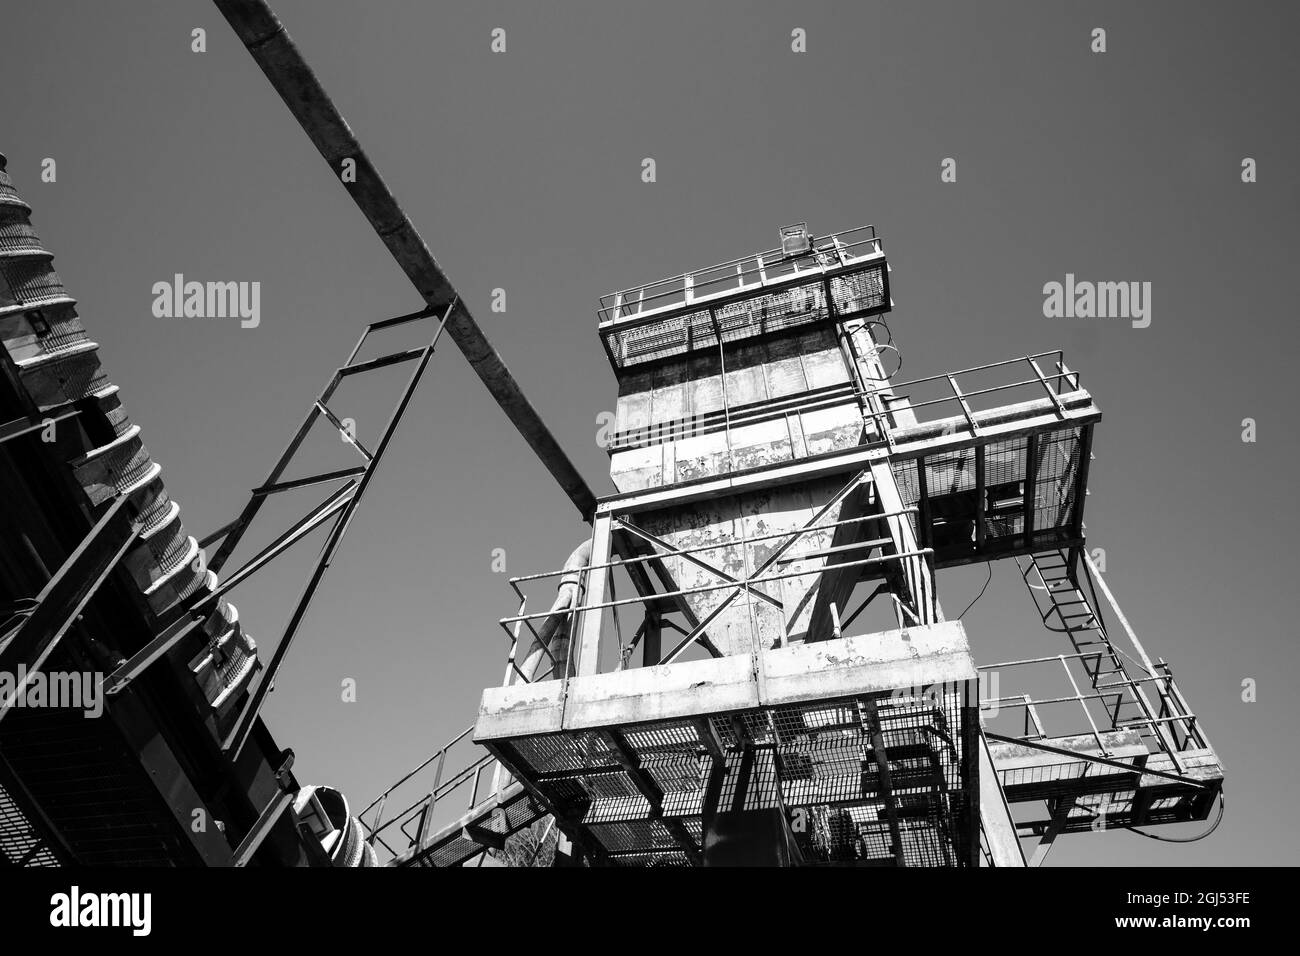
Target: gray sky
522, 171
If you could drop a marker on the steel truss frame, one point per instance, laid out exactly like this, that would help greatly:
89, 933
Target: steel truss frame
339, 507
43, 622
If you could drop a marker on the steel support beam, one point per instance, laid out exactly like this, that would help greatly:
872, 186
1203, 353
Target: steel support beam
1141, 771
591, 620
1164, 732
649, 789
1059, 818
234, 742
268, 818
996, 822
278, 56
771, 560
24, 426
1032, 455
69, 590
181, 628
886, 782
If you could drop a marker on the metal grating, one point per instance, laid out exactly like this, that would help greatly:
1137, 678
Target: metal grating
20, 843
18, 236
554, 753
952, 501
815, 759
669, 860
32, 280
684, 332
93, 789
1057, 467
7, 190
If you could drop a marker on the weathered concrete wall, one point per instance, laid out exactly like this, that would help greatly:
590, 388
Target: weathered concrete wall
678, 394
736, 519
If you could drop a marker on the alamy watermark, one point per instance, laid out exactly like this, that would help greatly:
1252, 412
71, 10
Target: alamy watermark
208, 300
75, 908
1082, 299
82, 691
986, 684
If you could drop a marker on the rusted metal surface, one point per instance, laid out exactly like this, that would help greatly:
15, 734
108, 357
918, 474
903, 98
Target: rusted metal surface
275, 52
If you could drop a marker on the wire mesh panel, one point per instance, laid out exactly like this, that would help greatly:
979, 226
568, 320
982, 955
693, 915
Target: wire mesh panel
20, 843
967, 515
858, 293
761, 312
32, 280
1004, 472
19, 236
823, 765
1053, 495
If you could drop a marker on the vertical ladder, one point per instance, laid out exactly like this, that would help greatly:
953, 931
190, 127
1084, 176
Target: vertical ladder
1065, 609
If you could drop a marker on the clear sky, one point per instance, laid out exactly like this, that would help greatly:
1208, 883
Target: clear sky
522, 170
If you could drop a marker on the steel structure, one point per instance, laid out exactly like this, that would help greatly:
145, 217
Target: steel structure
100, 579
95, 565
777, 487
783, 510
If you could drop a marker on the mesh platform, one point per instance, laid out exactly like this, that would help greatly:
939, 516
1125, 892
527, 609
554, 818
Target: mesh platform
638, 792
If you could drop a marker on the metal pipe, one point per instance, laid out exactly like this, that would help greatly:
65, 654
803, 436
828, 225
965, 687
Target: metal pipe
552, 638
270, 45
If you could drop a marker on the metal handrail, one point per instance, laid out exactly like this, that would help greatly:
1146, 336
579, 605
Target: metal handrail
766, 267
1184, 719
893, 404
511, 624
422, 809
438, 791
773, 253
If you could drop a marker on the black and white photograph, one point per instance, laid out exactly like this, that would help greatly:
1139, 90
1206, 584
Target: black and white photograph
636, 436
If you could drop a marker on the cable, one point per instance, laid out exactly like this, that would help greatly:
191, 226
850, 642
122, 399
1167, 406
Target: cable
1199, 836
982, 590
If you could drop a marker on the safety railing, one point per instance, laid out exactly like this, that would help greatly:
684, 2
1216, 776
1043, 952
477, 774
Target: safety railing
737, 275
1170, 727
1119, 682
918, 605
959, 407
444, 796
950, 398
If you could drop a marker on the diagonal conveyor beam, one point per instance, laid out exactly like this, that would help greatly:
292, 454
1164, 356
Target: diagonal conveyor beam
269, 43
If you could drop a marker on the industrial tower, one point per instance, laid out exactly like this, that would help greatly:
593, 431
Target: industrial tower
776, 491
746, 662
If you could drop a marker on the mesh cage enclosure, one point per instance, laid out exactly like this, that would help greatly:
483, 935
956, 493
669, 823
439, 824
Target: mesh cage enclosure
631, 342
948, 512
819, 763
